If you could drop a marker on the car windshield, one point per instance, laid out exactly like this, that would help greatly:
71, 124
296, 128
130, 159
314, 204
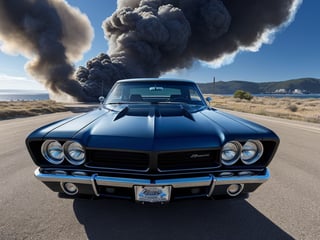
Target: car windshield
155, 92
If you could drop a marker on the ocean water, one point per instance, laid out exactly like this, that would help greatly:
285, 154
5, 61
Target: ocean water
23, 95
29, 95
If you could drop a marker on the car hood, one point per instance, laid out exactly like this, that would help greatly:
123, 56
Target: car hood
155, 127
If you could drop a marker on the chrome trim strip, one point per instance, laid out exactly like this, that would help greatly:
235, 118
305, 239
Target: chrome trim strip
120, 182
44, 177
243, 179
186, 182
213, 184
93, 183
206, 181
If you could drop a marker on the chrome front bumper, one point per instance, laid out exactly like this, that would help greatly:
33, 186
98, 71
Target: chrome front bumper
96, 181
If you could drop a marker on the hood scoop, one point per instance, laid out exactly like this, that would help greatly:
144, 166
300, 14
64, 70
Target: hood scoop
154, 111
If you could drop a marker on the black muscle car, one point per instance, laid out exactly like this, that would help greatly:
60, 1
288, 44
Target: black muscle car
153, 140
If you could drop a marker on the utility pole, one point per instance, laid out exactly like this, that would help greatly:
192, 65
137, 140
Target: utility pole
214, 84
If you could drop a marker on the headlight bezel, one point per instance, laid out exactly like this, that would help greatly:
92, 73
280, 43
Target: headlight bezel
65, 148
70, 155
256, 156
235, 158
242, 146
48, 155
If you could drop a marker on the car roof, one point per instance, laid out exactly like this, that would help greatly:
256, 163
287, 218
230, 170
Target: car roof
155, 80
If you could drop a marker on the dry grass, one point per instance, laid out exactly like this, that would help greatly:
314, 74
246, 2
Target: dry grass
290, 108
16, 109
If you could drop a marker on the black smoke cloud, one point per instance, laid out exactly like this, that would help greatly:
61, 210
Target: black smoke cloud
150, 37
52, 34
146, 37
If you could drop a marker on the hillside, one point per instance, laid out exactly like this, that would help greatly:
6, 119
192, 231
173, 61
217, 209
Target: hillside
307, 85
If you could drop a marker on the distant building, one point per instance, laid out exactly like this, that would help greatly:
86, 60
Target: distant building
297, 91
281, 91
290, 91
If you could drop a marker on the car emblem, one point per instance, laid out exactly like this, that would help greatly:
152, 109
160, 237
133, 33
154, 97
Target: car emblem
195, 155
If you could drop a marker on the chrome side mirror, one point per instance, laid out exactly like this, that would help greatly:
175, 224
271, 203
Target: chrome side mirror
209, 99
101, 100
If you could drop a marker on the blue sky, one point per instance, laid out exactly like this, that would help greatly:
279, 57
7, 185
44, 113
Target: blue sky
294, 53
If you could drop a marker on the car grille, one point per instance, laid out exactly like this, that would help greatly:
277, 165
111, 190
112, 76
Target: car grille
188, 160
118, 160
140, 161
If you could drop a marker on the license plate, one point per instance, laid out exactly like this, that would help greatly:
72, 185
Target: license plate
152, 194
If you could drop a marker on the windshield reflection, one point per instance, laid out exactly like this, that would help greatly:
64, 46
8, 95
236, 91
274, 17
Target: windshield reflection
162, 92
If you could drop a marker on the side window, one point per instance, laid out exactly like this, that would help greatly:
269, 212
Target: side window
117, 94
194, 96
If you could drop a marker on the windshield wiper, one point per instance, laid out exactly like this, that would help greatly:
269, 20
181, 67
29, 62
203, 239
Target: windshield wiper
138, 102
115, 103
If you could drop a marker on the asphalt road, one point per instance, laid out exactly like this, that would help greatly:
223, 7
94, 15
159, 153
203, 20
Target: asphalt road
286, 207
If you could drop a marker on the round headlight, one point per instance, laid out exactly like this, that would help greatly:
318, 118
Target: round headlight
74, 152
230, 153
251, 152
52, 151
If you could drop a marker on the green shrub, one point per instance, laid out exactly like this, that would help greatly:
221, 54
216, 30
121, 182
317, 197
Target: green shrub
293, 107
242, 95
